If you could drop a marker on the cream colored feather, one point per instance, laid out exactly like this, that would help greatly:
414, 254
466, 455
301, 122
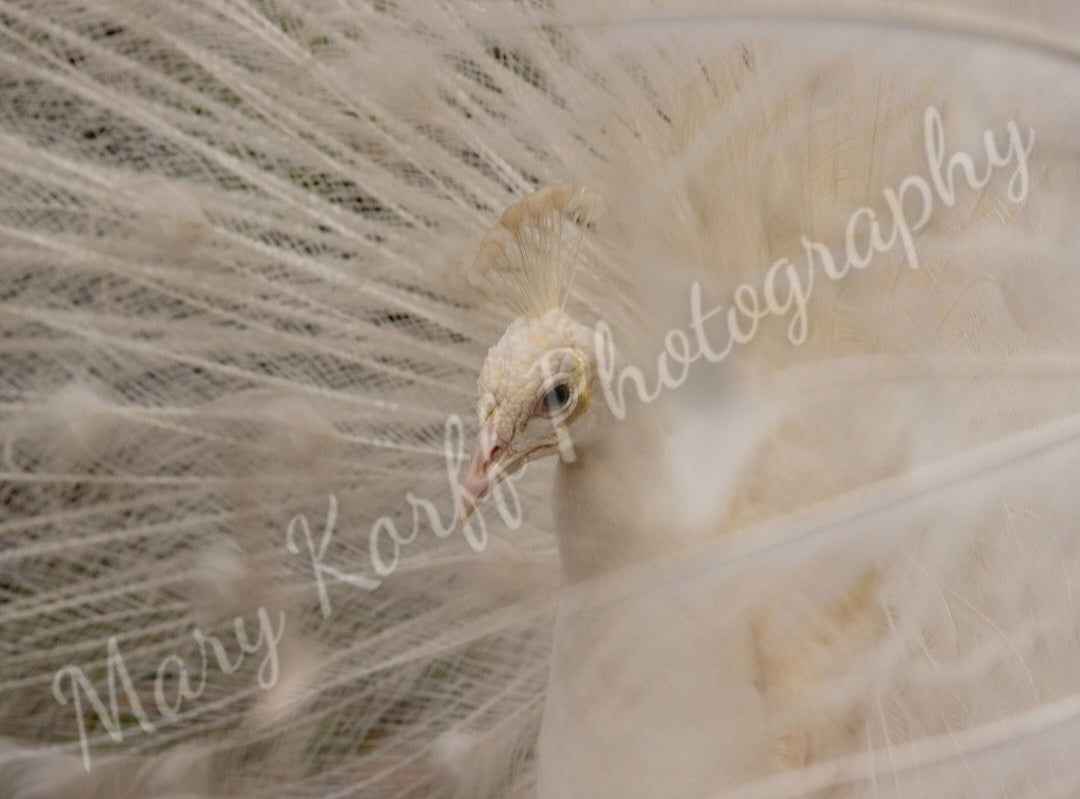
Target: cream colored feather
252, 256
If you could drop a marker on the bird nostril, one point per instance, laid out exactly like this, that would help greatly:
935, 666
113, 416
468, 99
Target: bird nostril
496, 451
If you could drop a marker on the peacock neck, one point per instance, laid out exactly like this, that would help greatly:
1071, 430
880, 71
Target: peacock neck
612, 502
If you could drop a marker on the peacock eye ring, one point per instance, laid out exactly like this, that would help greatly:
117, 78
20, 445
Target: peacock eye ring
556, 399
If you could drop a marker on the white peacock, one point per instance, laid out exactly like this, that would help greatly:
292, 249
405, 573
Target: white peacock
795, 378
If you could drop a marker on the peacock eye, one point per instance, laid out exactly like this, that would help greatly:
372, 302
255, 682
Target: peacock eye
556, 399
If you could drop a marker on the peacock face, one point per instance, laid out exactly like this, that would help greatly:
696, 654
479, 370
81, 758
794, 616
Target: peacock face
535, 384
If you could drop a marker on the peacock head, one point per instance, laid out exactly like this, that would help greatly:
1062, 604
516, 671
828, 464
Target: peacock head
535, 384
536, 381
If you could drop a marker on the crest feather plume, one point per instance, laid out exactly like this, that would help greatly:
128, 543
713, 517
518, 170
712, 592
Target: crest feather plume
530, 257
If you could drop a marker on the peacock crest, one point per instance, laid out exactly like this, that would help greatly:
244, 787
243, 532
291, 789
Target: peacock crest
530, 257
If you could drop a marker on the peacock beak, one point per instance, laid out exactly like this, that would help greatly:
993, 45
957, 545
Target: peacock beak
484, 471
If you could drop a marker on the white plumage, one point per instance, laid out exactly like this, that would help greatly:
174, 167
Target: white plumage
796, 369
